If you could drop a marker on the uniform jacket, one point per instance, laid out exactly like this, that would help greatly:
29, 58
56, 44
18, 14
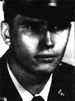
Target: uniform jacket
62, 88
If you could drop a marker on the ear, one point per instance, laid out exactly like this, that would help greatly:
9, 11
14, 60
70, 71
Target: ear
5, 33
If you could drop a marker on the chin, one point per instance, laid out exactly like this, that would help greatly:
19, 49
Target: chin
47, 68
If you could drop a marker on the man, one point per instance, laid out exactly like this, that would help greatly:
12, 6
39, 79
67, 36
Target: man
37, 32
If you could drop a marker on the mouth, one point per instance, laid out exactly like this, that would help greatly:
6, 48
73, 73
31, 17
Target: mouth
45, 58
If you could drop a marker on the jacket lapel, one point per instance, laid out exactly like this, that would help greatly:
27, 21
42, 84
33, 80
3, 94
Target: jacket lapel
7, 89
62, 88
56, 92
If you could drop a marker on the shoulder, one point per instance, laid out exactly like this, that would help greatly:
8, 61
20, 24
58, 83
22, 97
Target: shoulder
3, 60
64, 78
65, 75
69, 66
3, 72
66, 69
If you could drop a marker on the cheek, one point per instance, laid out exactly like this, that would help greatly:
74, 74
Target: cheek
30, 43
61, 40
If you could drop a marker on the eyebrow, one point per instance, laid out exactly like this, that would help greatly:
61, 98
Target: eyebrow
33, 19
29, 20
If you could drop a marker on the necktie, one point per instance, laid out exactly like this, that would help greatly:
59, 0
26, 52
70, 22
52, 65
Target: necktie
37, 98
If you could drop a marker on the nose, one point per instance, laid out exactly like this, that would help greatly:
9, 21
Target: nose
49, 40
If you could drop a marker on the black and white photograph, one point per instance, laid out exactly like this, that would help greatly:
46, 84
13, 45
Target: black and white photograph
37, 50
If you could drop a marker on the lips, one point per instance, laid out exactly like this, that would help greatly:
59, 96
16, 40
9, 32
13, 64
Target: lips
45, 58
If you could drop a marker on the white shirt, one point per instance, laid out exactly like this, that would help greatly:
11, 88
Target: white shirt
27, 96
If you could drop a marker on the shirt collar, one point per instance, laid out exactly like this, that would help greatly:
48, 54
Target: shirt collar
45, 92
25, 95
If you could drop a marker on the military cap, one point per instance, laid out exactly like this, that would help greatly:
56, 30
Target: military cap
43, 9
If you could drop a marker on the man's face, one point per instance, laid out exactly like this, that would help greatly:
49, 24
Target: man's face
37, 45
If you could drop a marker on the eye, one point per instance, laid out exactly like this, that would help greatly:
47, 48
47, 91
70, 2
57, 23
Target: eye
33, 26
36, 26
27, 26
59, 27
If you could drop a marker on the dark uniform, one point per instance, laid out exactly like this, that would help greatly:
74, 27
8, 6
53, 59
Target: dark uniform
62, 88
63, 83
